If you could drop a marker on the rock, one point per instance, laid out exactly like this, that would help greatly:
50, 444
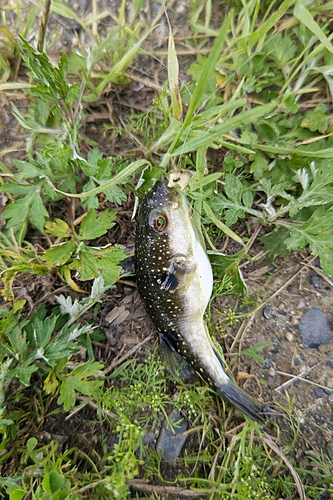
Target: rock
171, 441
268, 312
149, 439
318, 393
289, 336
314, 328
316, 281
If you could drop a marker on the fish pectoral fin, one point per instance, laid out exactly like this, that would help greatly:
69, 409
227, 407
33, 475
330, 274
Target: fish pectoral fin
176, 365
179, 266
168, 281
169, 351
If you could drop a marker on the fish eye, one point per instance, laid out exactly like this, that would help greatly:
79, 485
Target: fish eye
158, 221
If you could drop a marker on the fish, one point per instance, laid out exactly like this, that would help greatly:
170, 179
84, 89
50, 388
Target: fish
175, 280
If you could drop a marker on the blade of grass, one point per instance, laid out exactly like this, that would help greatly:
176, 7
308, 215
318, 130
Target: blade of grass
220, 224
64, 11
202, 83
207, 137
324, 153
119, 68
304, 16
173, 78
108, 184
259, 36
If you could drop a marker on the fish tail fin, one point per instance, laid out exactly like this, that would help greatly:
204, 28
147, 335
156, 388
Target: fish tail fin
242, 401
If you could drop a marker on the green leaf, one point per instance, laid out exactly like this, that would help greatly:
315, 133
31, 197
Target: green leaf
38, 213
44, 72
220, 224
253, 351
59, 254
39, 331
29, 207
25, 372
317, 119
58, 228
92, 226
228, 265
75, 382
317, 233
27, 170
18, 211
91, 262
54, 482
275, 242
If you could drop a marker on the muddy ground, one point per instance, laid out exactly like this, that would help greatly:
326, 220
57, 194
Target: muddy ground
286, 288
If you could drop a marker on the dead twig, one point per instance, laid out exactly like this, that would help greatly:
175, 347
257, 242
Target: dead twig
300, 488
163, 490
43, 26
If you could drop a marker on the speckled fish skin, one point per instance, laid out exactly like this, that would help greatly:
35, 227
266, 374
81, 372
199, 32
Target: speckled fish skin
174, 279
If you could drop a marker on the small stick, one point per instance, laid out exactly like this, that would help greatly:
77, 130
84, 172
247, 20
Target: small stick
43, 26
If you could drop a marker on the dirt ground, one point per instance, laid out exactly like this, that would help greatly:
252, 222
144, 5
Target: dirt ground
287, 288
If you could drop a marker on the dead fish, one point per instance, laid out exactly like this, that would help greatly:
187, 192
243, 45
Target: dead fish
175, 280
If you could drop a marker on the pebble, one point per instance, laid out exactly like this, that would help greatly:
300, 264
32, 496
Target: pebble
171, 441
314, 328
289, 336
268, 312
318, 393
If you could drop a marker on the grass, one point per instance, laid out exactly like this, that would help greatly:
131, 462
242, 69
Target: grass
259, 90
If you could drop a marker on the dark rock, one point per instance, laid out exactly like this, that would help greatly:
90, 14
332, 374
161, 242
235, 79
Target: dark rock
318, 393
171, 440
268, 312
314, 328
149, 439
316, 281
276, 345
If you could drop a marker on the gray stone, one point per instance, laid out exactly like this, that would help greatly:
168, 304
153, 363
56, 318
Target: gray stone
314, 328
171, 440
268, 312
318, 393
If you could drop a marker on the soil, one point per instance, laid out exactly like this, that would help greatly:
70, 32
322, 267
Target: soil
286, 288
